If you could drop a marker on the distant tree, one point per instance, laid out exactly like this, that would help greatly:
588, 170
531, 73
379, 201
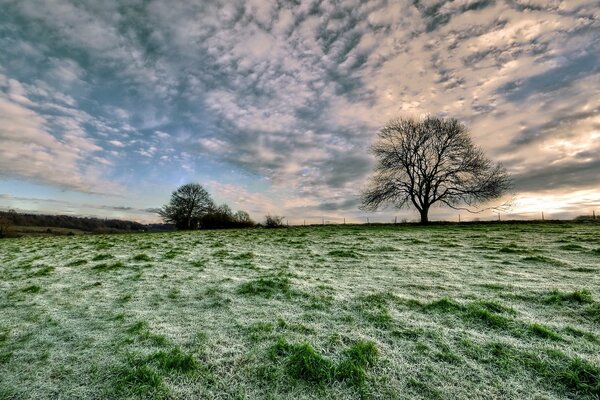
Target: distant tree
421, 163
242, 218
5, 225
223, 217
273, 221
188, 204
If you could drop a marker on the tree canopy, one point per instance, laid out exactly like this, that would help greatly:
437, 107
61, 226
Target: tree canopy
188, 204
191, 207
431, 161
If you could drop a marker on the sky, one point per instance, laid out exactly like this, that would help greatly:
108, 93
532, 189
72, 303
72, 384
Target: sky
107, 106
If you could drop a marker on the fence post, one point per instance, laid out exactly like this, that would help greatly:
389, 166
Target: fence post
367, 220
344, 220
459, 218
395, 220
593, 214
323, 221
304, 222
542, 215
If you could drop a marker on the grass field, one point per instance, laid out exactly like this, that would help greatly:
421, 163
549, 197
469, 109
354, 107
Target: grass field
474, 311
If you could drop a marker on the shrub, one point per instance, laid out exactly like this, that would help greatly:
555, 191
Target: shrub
273, 221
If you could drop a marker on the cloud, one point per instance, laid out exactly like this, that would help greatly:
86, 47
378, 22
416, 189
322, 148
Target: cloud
29, 150
293, 93
53, 206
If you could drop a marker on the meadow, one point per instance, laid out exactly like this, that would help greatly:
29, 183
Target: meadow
343, 312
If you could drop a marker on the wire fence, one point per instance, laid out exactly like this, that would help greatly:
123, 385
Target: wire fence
458, 218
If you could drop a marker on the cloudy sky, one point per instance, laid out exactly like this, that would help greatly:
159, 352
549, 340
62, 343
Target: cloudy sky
108, 106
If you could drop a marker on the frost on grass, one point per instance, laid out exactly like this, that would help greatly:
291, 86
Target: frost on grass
304, 313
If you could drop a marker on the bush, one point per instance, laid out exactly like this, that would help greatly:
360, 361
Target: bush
273, 221
223, 218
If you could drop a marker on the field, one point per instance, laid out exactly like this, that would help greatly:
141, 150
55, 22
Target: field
344, 312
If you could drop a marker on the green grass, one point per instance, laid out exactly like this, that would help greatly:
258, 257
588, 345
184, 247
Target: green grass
102, 256
346, 312
108, 267
266, 287
582, 296
141, 257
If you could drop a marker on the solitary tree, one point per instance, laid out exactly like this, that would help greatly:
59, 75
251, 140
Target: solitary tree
187, 206
421, 163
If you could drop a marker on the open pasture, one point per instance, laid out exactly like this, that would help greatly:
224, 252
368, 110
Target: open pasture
459, 311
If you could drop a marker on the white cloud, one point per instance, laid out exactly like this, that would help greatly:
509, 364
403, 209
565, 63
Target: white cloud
30, 151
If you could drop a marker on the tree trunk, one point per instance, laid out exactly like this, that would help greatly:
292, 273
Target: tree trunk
424, 216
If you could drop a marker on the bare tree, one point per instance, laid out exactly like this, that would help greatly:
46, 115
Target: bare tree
242, 218
187, 206
421, 163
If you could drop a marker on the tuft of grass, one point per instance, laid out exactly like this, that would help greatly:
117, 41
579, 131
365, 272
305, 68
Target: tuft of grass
31, 289
171, 254
582, 296
580, 333
77, 263
220, 253
444, 304
572, 247
362, 353
380, 318
174, 359
494, 306
544, 332
583, 269
305, 363
592, 312
512, 250
543, 260
141, 257
43, 271
4, 335
101, 257
138, 327
493, 286
266, 287
142, 331
384, 249
343, 253
198, 263
575, 375
141, 380
480, 314
104, 246
244, 256
259, 330
108, 267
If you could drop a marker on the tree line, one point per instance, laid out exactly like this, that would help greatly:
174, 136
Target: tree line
88, 224
420, 164
192, 207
